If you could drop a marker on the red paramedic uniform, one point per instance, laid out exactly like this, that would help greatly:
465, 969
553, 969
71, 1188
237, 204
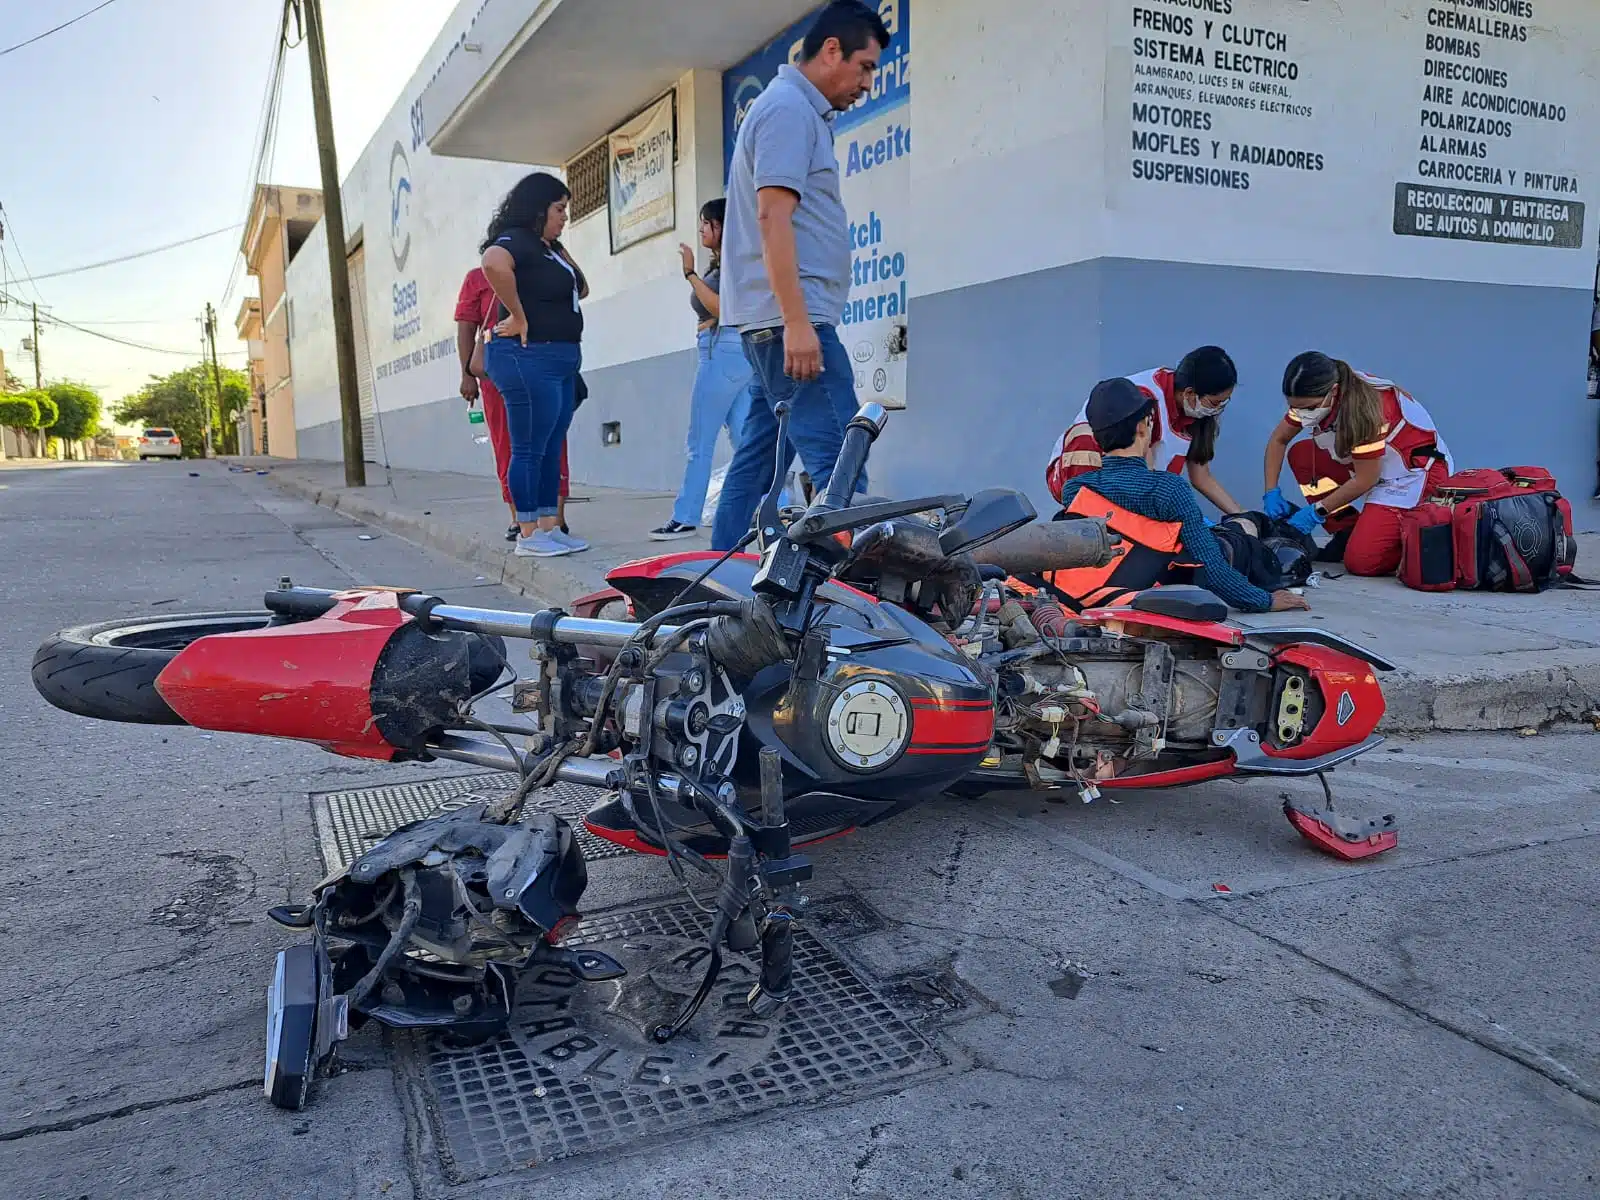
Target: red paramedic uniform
1077, 453
1414, 461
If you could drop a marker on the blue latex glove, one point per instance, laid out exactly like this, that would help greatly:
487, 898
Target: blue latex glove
1306, 520
1275, 506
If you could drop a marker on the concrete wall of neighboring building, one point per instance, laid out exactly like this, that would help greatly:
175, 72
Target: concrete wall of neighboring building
281, 219
248, 326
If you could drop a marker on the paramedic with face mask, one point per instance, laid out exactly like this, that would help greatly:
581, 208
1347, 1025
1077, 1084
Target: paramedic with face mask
1189, 404
1370, 452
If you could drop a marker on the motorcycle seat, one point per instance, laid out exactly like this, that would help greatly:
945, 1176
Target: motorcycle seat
1184, 601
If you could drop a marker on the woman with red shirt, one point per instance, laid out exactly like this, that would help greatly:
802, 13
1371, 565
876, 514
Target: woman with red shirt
1370, 453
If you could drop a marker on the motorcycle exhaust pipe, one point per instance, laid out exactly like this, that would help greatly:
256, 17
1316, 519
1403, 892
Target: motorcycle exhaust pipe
1050, 546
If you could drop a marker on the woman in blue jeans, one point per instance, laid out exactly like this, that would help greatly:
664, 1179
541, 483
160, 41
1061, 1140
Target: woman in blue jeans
533, 356
721, 396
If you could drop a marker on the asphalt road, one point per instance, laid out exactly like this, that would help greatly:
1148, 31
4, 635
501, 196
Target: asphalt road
1420, 1026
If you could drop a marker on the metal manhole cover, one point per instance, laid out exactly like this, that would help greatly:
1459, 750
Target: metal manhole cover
348, 823
577, 1072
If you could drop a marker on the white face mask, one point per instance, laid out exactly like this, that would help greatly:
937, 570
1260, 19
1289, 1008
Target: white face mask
1200, 411
1310, 418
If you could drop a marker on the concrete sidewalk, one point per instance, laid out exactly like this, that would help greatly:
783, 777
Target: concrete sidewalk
1468, 661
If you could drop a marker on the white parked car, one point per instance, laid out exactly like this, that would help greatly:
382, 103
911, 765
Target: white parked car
160, 443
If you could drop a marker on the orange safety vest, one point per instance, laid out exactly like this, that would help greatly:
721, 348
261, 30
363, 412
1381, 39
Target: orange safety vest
1150, 555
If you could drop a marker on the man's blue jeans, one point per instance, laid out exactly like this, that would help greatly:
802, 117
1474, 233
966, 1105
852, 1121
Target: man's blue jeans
818, 413
721, 397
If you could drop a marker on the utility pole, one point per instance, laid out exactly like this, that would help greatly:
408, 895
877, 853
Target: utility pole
355, 468
216, 370
40, 441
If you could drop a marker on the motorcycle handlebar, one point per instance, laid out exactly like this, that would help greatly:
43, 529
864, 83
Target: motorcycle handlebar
859, 435
552, 625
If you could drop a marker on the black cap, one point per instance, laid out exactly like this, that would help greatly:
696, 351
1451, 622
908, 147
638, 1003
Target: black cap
1114, 401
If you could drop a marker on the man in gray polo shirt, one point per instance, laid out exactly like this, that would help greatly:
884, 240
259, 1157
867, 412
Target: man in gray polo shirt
786, 260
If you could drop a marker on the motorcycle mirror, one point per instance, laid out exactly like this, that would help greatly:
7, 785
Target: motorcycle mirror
991, 514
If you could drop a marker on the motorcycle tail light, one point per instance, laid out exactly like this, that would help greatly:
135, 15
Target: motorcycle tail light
562, 928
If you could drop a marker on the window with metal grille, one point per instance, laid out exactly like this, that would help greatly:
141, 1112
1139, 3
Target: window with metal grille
586, 180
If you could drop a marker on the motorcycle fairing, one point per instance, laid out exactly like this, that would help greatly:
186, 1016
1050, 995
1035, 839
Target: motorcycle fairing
365, 680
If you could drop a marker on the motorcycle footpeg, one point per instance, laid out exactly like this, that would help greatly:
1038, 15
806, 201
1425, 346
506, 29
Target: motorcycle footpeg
588, 966
292, 916
1343, 837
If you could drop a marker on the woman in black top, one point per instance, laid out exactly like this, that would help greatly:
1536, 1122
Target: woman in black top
533, 356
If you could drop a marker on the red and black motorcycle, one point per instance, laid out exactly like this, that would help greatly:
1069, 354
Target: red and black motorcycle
740, 713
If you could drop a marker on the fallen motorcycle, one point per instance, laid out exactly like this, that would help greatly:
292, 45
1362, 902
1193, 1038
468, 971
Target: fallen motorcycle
727, 731
1159, 692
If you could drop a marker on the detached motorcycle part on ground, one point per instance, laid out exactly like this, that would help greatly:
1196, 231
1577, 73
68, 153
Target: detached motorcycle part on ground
710, 722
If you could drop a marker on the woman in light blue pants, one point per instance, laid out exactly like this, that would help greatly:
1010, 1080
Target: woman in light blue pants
721, 397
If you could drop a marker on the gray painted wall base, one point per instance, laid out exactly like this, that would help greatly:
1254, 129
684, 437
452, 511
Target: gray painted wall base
998, 370
649, 398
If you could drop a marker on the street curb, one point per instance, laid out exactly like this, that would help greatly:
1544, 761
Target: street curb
1549, 687
550, 583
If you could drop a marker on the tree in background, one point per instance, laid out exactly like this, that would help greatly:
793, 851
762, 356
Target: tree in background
10, 383
78, 412
181, 400
49, 413
18, 412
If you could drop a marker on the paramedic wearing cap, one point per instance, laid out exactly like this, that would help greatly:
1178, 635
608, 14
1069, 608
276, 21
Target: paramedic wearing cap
1165, 537
1189, 404
1370, 444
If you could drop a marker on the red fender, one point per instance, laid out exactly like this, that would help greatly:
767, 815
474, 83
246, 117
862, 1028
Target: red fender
310, 681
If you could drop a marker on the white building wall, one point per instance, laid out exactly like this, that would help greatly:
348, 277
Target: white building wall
638, 304
1009, 106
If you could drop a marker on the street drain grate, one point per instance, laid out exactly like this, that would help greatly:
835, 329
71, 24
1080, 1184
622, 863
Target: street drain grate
351, 822
576, 1072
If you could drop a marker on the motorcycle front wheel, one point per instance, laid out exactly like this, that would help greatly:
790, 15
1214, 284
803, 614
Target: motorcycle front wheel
108, 671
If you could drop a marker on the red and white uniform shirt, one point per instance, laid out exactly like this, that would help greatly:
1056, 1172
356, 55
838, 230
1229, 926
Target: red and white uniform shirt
1407, 444
1077, 453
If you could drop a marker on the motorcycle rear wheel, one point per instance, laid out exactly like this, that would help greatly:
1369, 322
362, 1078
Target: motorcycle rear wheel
108, 671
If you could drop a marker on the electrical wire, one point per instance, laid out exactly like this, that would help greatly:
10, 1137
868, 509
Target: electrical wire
111, 262
10, 224
266, 139
39, 37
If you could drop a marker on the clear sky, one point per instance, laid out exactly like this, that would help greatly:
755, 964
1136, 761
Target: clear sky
134, 128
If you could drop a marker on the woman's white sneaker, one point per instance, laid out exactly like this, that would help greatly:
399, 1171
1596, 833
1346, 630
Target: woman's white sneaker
540, 545
576, 544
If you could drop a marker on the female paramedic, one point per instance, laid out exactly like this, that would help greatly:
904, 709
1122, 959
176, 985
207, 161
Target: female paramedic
1189, 403
1371, 453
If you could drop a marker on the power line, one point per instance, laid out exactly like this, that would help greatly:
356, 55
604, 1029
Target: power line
39, 37
266, 137
11, 228
111, 262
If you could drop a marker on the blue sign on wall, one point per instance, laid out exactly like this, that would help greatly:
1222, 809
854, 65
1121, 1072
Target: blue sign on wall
743, 83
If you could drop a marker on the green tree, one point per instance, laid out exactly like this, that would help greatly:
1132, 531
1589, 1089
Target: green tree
177, 401
77, 412
48, 412
20, 413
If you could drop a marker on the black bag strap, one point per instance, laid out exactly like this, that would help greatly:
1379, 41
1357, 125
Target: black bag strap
1521, 576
